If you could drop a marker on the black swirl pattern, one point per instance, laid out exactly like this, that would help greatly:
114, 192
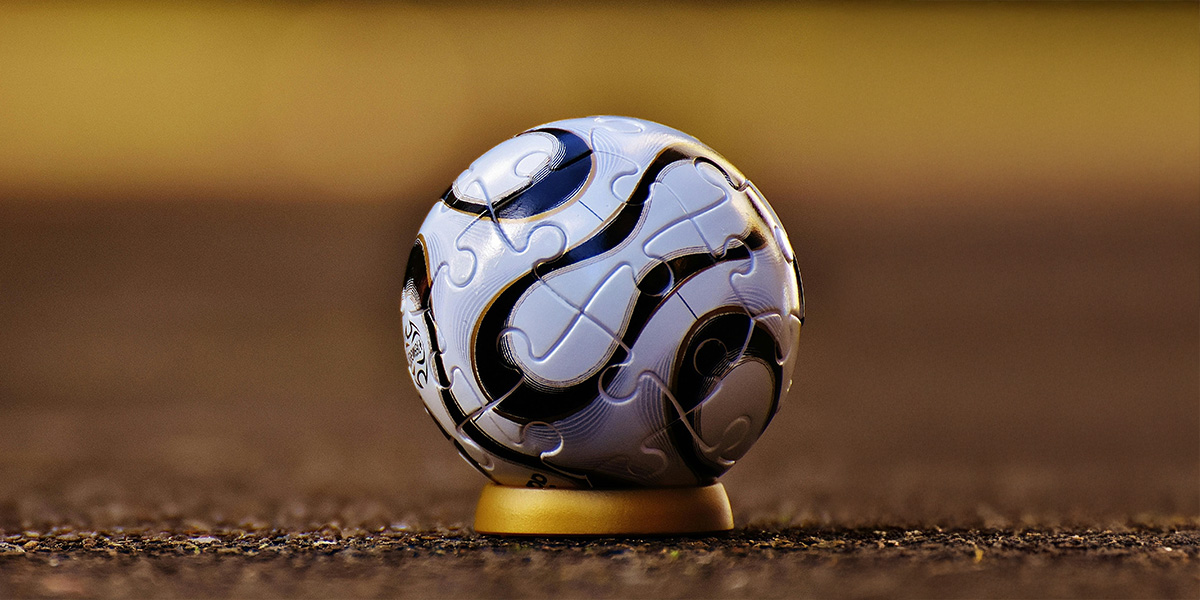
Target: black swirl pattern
719, 342
498, 375
417, 285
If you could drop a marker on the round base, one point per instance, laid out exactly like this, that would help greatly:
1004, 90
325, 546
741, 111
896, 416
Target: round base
505, 510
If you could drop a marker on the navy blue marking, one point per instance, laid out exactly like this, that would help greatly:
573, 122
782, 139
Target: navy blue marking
566, 177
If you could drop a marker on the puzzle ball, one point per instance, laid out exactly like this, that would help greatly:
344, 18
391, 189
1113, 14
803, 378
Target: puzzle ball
602, 302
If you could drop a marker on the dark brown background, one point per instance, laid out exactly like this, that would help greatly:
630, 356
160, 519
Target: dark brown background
215, 359
996, 211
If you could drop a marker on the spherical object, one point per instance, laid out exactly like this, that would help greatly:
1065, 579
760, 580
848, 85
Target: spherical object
602, 302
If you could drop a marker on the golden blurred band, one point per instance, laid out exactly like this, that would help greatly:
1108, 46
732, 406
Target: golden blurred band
505, 510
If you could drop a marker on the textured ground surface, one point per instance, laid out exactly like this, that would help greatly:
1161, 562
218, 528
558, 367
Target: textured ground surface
754, 562
203, 399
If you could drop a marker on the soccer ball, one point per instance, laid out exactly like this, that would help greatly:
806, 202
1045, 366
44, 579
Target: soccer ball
602, 302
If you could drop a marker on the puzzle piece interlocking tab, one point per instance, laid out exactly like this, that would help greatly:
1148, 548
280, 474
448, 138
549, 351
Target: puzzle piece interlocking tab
602, 302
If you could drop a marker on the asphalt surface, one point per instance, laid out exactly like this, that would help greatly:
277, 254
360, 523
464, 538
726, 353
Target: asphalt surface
209, 399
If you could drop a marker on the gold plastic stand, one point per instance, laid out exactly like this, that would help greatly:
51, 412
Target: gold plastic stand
505, 510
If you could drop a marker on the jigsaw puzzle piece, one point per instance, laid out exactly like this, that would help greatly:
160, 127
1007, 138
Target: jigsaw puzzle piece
575, 220
474, 240
716, 205
493, 254
563, 330
692, 188
671, 321
785, 327
483, 238
455, 303
539, 324
692, 447
725, 424
627, 269
423, 342
637, 266
607, 305
459, 265
578, 353
534, 439
727, 386
744, 229
505, 169
638, 145
469, 402
449, 416
622, 175
767, 282
794, 295
756, 284
496, 243
606, 302
475, 425
707, 220
641, 142
536, 173
614, 135
708, 438
619, 124
602, 434
510, 443
474, 455
709, 289
673, 239
675, 211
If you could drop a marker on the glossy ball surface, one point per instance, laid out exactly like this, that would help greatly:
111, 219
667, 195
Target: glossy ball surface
602, 302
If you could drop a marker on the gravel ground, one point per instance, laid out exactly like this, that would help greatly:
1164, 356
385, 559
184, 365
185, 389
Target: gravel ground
208, 400
749, 563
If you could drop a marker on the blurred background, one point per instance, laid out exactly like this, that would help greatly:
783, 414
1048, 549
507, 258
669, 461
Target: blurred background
205, 210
